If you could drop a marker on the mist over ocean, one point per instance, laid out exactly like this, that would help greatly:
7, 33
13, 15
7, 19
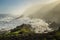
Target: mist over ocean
39, 15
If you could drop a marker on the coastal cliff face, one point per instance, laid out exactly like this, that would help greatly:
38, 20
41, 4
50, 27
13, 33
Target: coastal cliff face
23, 32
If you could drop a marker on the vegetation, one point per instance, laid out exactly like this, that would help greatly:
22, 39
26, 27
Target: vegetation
23, 32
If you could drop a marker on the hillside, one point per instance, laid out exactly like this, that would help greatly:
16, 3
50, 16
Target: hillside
24, 32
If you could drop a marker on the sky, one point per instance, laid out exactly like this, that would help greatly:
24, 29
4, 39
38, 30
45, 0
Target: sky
6, 6
17, 6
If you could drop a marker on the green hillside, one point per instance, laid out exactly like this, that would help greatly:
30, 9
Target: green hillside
24, 32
